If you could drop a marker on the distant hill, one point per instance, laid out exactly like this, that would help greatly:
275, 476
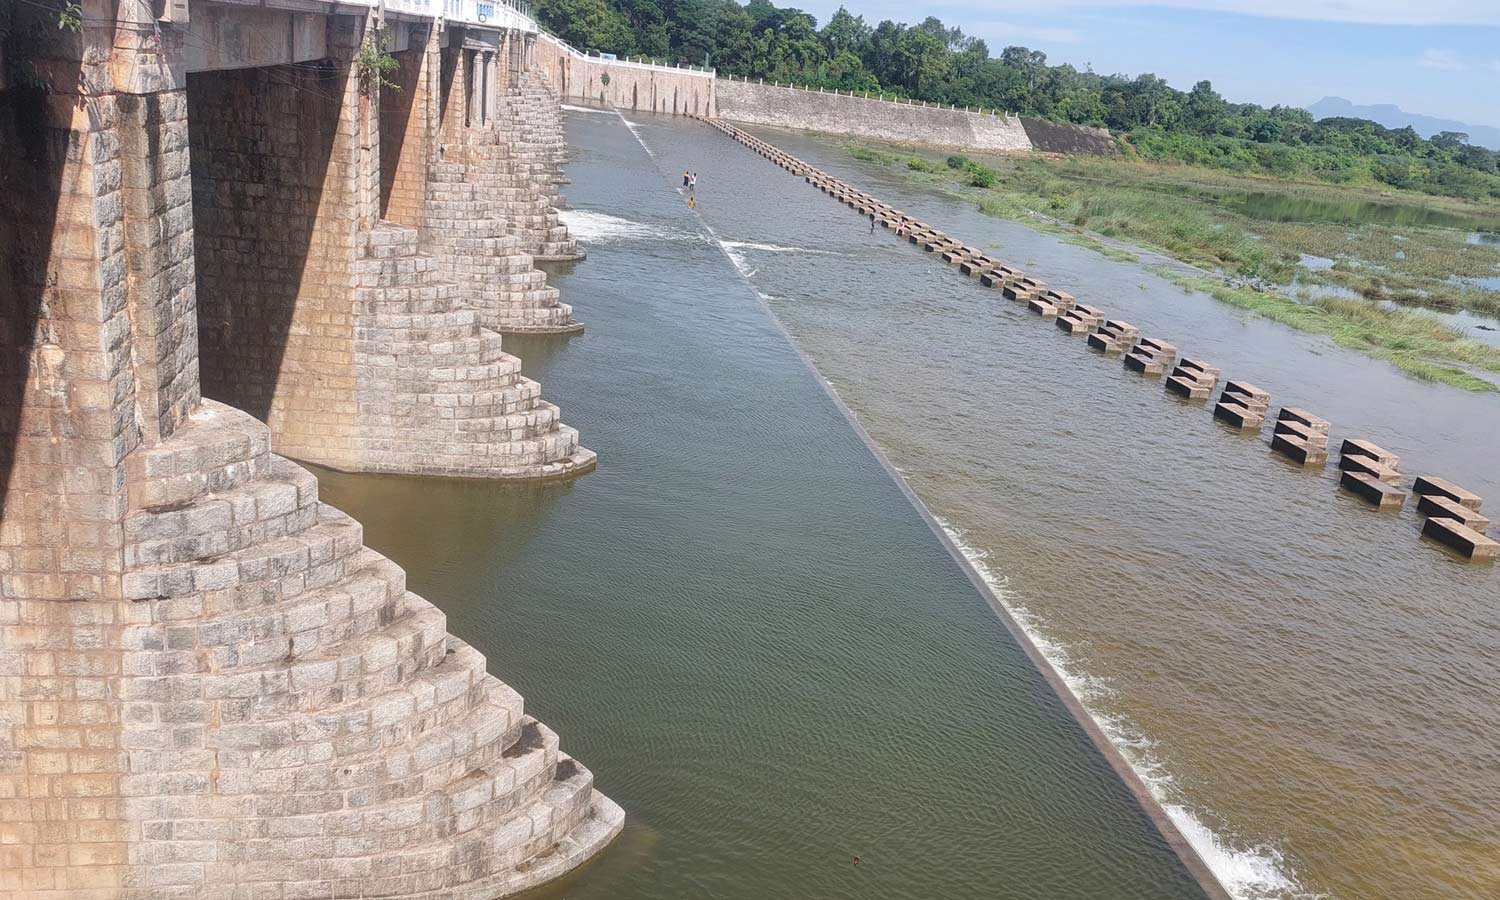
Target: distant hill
1392, 116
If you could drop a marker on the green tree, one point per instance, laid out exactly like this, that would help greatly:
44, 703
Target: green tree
1204, 108
846, 33
588, 24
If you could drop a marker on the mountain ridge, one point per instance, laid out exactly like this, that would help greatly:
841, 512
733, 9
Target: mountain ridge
1392, 116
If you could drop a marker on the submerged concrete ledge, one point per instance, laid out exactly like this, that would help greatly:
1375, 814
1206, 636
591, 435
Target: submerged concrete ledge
1298, 436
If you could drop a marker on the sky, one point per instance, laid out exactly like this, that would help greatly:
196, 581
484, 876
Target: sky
1436, 57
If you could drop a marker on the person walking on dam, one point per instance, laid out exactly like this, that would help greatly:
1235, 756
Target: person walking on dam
693, 182
872, 221
687, 179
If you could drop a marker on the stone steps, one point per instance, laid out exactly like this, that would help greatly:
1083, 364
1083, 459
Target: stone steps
556, 456
370, 594
284, 781
282, 503
217, 449
314, 557
288, 705
509, 854
363, 666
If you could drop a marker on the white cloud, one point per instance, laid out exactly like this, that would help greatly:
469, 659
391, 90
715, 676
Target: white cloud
1440, 59
1386, 12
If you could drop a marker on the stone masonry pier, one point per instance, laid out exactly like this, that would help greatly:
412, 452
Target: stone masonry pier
230, 241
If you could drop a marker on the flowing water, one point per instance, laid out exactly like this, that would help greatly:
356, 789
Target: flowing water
739, 622
1305, 678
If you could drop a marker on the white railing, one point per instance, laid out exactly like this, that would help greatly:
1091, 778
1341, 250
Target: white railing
514, 15
574, 52
878, 97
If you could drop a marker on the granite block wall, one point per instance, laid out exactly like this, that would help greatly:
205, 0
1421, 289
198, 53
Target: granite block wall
763, 104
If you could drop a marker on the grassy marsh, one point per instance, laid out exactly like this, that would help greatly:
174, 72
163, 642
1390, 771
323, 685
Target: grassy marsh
1237, 229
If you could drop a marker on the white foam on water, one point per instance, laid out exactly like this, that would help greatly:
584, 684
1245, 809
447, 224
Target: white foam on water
1248, 872
596, 227
587, 109
736, 251
635, 132
770, 248
736, 257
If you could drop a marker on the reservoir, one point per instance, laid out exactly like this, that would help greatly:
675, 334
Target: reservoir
1305, 678
740, 622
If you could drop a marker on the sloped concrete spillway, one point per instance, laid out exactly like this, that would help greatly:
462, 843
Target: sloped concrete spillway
740, 621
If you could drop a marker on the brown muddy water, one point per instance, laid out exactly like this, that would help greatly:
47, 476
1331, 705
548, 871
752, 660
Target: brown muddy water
1312, 688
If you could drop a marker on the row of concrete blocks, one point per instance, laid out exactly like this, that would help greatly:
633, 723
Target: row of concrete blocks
775, 155
1367, 471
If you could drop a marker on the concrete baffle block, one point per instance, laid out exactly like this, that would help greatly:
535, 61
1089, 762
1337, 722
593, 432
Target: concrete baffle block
1372, 490
1059, 299
1106, 343
1465, 540
1298, 449
1238, 415
1433, 485
1144, 363
1358, 447
1157, 348
1307, 420
1188, 387
1436, 506
1370, 466
1302, 432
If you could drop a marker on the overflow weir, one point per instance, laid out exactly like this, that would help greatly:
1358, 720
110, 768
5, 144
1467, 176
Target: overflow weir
836, 686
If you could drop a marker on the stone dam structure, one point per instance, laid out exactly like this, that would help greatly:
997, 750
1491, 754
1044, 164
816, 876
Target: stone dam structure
239, 234
689, 91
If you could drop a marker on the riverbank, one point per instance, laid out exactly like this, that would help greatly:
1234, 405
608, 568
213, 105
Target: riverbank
1344, 262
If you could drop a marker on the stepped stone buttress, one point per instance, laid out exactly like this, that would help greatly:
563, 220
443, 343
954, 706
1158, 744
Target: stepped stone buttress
295, 719
535, 114
484, 208
210, 689
450, 401
363, 349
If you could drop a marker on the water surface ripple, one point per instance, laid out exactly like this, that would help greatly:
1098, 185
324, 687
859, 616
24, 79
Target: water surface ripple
1304, 678
739, 622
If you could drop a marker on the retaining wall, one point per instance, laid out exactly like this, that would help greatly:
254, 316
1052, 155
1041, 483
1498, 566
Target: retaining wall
1056, 137
764, 104
635, 86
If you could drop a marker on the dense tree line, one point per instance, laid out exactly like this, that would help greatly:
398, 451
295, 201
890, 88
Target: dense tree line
934, 62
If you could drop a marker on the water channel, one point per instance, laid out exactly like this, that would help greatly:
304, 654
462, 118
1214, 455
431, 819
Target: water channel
739, 622
1306, 678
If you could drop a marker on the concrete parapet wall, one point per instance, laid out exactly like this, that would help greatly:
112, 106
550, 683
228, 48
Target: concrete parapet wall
763, 104
635, 86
